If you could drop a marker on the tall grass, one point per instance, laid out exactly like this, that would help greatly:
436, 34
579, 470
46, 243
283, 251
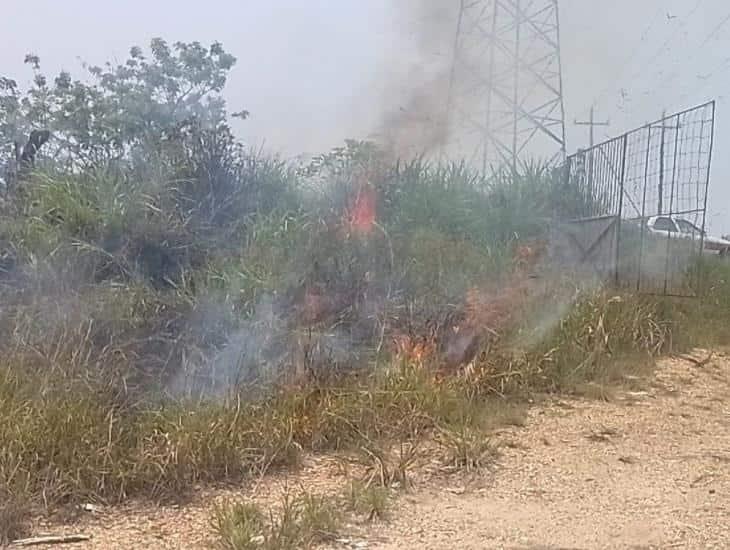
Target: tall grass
139, 319
71, 438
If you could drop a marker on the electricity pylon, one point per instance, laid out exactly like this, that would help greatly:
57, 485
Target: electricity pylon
505, 96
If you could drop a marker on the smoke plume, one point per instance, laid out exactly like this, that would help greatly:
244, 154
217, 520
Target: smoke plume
418, 80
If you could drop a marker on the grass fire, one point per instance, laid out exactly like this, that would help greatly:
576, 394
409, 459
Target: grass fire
180, 312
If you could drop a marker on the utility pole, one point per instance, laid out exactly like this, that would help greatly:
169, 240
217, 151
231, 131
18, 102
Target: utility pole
505, 97
591, 123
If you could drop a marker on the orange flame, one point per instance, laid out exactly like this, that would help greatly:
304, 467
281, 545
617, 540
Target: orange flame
410, 349
361, 216
485, 310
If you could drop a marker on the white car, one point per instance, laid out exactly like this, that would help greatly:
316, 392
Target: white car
674, 227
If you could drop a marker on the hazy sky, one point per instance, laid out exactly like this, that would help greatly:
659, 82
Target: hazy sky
311, 71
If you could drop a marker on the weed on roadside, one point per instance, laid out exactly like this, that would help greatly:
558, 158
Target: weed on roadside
238, 525
369, 501
467, 447
14, 515
300, 521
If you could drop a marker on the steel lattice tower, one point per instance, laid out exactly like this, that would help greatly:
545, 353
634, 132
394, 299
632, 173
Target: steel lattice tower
505, 90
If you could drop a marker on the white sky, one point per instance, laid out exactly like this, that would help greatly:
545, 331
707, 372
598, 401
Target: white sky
310, 71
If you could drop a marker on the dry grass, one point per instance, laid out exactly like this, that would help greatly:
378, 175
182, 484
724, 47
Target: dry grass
15, 512
369, 501
69, 435
75, 440
300, 521
466, 448
238, 525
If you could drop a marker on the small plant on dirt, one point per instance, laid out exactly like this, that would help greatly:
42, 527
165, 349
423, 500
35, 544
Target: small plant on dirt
405, 459
14, 515
370, 501
389, 468
238, 525
299, 522
316, 518
467, 447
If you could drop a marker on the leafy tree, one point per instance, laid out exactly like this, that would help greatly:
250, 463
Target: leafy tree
143, 149
122, 112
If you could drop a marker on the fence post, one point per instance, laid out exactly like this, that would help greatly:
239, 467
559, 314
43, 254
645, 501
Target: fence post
624, 145
643, 209
700, 277
566, 170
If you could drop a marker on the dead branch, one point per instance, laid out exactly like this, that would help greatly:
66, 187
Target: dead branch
698, 362
36, 140
51, 539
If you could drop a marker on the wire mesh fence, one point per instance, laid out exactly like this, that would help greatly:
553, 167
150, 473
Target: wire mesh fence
644, 202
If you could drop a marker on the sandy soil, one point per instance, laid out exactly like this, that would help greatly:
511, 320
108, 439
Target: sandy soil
650, 469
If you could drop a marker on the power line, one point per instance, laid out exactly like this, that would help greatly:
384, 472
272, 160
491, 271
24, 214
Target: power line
724, 64
663, 48
707, 80
668, 80
632, 56
659, 15
717, 29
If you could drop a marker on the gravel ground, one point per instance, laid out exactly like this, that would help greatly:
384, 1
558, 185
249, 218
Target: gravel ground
649, 469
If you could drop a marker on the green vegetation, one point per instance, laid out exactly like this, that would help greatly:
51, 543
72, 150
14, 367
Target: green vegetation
177, 309
299, 521
370, 501
15, 514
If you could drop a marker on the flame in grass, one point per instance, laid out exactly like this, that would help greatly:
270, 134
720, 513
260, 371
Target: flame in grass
412, 349
361, 216
483, 314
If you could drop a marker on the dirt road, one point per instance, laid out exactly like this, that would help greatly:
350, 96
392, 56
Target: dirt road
649, 469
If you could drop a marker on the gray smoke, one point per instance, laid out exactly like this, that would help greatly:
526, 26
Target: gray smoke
417, 80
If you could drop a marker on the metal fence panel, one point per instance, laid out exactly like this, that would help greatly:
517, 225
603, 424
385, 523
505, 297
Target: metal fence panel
660, 169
